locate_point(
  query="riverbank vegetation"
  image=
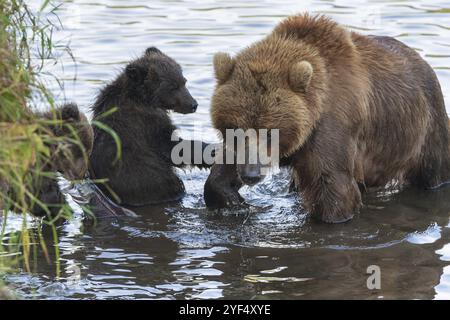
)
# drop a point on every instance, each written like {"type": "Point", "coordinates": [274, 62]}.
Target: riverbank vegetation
{"type": "Point", "coordinates": [26, 47]}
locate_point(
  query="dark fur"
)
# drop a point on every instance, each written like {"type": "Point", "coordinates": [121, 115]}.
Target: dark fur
{"type": "Point", "coordinates": [143, 93]}
{"type": "Point", "coordinates": [66, 157]}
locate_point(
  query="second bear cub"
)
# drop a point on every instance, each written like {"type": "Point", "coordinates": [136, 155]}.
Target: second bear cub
{"type": "Point", "coordinates": [143, 94]}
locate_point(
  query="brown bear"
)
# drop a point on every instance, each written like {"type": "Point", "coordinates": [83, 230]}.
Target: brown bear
{"type": "Point", "coordinates": [143, 94]}
{"type": "Point", "coordinates": [354, 112]}
{"type": "Point", "coordinates": [69, 156]}
{"type": "Point", "coordinates": [71, 159]}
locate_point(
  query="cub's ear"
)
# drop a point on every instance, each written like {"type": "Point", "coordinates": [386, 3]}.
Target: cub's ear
{"type": "Point", "coordinates": [69, 112]}
{"type": "Point", "coordinates": [152, 50]}
{"type": "Point", "coordinates": [300, 76]}
{"type": "Point", "coordinates": [135, 73]}
{"type": "Point", "coordinates": [223, 66]}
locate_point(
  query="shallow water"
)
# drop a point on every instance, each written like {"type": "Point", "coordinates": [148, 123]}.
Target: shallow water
{"type": "Point", "coordinates": [274, 250]}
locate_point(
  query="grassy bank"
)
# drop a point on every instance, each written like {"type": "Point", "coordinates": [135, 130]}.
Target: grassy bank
{"type": "Point", "coordinates": [25, 143]}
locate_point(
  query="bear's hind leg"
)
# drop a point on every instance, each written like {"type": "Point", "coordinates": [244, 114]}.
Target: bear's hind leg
{"type": "Point", "coordinates": [433, 173]}
{"type": "Point", "coordinates": [433, 170]}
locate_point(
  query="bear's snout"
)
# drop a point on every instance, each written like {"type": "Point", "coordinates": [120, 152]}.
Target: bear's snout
{"type": "Point", "coordinates": [187, 108]}
{"type": "Point", "coordinates": [194, 106]}
{"type": "Point", "coordinates": [250, 173]}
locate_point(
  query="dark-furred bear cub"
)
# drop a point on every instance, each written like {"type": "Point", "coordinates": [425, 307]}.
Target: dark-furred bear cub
{"type": "Point", "coordinates": [69, 156]}
{"type": "Point", "coordinates": [143, 94]}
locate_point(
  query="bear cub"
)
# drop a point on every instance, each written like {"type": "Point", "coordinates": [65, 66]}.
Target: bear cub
{"type": "Point", "coordinates": [69, 156]}
{"type": "Point", "coordinates": [143, 94]}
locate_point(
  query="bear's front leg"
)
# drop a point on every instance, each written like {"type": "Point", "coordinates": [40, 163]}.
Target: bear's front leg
{"type": "Point", "coordinates": [326, 171]}
{"type": "Point", "coordinates": [222, 186]}
{"type": "Point", "coordinates": [332, 198]}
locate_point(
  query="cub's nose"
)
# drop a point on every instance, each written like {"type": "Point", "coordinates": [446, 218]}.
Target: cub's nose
{"type": "Point", "coordinates": [194, 106]}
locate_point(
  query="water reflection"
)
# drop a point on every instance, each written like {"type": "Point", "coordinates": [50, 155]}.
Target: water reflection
{"type": "Point", "coordinates": [273, 250]}
{"type": "Point", "coordinates": [187, 252]}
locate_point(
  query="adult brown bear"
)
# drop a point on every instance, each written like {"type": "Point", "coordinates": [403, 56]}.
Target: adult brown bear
{"type": "Point", "coordinates": [354, 112]}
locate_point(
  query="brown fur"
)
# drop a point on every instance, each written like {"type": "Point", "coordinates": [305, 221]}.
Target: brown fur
{"type": "Point", "coordinates": [71, 159]}
{"type": "Point", "coordinates": [354, 111]}
{"type": "Point", "coordinates": [69, 156]}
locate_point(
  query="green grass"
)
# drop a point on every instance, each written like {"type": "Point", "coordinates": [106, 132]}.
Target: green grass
{"type": "Point", "coordinates": [25, 142]}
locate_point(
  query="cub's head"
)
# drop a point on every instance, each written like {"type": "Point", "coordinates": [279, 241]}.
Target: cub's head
{"type": "Point", "coordinates": [158, 80]}
{"type": "Point", "coordinates": [70, 156]}
{"type": "Point", "coordinates": [270, 85]}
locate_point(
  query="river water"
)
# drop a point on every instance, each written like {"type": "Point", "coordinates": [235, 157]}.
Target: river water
{"type": "Point", "coordinates": [186, 251]}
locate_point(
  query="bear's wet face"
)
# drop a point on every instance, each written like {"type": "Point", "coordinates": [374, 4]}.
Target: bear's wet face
{"type": "Point", "coordinates": [158, 81]}
{"type": "Point", "coordinates": [255, 158]}
{"type": "Point", "coordinates": [258, 96]}
{"type": "Point", "coordinates": [250, 173]}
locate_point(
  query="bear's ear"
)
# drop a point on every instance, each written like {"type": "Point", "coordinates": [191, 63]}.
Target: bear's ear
{"type": "Point", "coordinates": [70, 112]}
{"type": "Point", "coordinates": [300, 76]}
{"type": "Point", "coordinates": [135, 73]}
{"type": "Point", "coordinates": [223, 66]}
{"type": "Point", "coordinates": [152, 50]}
